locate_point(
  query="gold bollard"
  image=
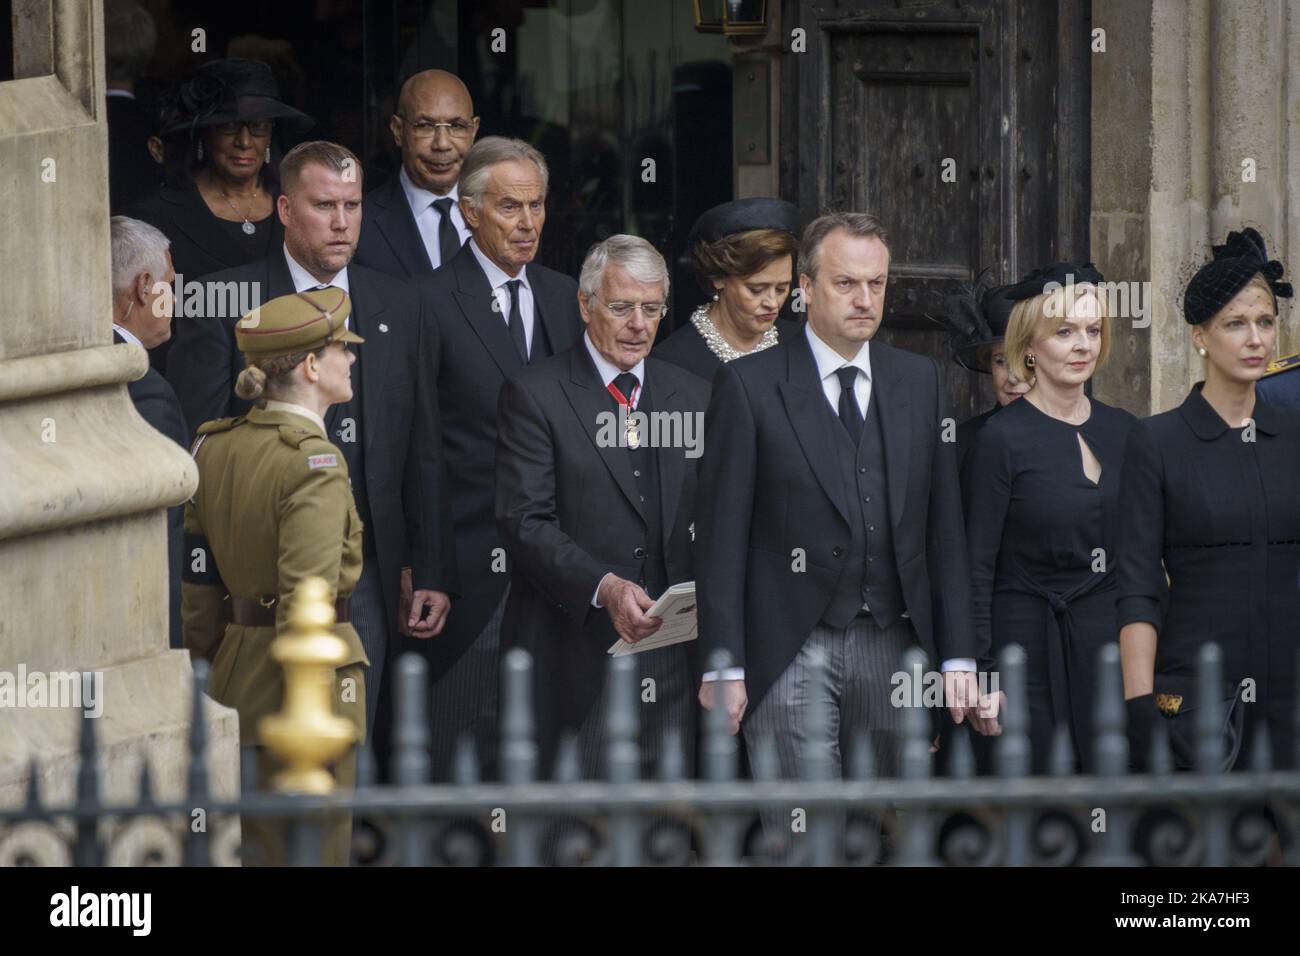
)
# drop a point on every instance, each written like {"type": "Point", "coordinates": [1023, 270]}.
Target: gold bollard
{"type": "Point", "coordinates": [306, 734]}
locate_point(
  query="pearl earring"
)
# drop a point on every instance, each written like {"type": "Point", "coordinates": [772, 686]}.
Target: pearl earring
{"type": "Point", "coordinates": [268, 154]}
{"type": "Point", "coordinates": [1202, 352]}
{"type": "Point", "coordinates": [715, 297]}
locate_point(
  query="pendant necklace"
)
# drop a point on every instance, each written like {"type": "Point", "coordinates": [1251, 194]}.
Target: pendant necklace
{"type": "Point", "coordinates": [248, 227]}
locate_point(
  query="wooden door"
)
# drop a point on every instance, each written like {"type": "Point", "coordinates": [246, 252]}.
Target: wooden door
{"type": "Point", "coordinates": [962, 124]}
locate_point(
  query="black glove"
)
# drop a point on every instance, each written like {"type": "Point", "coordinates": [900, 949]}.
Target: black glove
{"type": "Point", "coordinates": [1142, 717]}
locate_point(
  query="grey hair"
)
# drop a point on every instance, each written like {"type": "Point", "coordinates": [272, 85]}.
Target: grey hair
{"type": "Point", "coordinates": [488, 152]}
{"type": "Point", "coordinates": [137, 247]}
{"type": "Point", "coordinates": [861, 225]}
{"type": "Point", "coordinates": [637, 257]}
{"type": "Point", "coordinates": [130, 38]}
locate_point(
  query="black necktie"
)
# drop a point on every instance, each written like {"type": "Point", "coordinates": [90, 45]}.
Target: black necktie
{"type": "Point", "coordinates": [850, 414]}
{"type": "Point", "coordinates": [625, 382]}
{"type": "Point", "coordinates": [517, 321]}
{"type": "Point", "coordinates": [448, 237]}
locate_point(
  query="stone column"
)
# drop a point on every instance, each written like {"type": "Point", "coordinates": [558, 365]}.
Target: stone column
{"type": "Point", "coordinates": [84, 481]}
{"type": "Point", "coordinates": [1207, 91]}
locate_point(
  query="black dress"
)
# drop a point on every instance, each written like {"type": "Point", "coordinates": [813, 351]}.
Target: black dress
{"type": "Point", "coordinates": [687, 349]}
{"type": "Point", "coordinates": [201, 242]}
{"type": "Point", "coordinates": [967, 433]}
{"type": "Point", "coordinates": [1221, 516]}
{"type": "Point", "coordinates": [1041, 535]}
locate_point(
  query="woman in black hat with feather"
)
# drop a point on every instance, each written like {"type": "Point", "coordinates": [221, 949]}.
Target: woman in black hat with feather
{"type": "Point", "coordinates": [1211, 519]}
{"type": "Point", "coordinates": [1044, 486]}
{"type": "Point", "coordinates": [221, 143]}
{"type": "Point", "coordinates": [977, 323]}
{"type": "Point", "coordinates": [743, 252]}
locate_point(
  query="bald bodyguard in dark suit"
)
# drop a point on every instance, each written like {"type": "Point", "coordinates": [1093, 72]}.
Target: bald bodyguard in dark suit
{"type": "Point", "coordinates": [495, 312]}
{"type": "Point", "coordinates": [829, 521]}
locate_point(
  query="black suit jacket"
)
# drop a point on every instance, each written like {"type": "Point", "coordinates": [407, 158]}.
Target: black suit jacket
{"type": "Point", "coordinates": [473, 355]}
{"type": "Point", "coordinates": [133, 176]}
{"type": "Point", "coordinates": [569, 512]}
{"type": "Point", "coordinates": [405, 489]}
{"type": "Point", "coordinates": [156, 402]}
{"type": "Point", "coordinates": [390, 241]}
{"type": "Point", "coordinates": [770, 484]}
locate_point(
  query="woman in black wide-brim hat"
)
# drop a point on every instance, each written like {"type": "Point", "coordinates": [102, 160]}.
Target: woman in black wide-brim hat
{"type": "Point", "coordinates": [977, 324]}
{"type": "Point", "coordinates": [1211, 519]}
{"type": "Point", "coordinates": [743, 252]}
{"type": "Point", "coordinates": [221, 142]}
{"type": "Point", "coordinates": [1044, 496]}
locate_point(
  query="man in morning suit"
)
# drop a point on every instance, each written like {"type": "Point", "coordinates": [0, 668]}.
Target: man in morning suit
{"type": "Point", "coordinates": [829, 522]}
{"type": "Point", "coordinates": [597, 528]}
{"type": "Point", "coordinates": [142, 315]}
{"type": "Point", "coordinates": [495, 311]}
{"type": "Point", "coordinates": [413, 223]}
{"type": "Point", "coordinates": [388, 431]}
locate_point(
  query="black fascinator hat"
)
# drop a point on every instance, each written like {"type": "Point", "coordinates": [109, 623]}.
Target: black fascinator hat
{"type": "Point", "coordinates": [976, 318]}
{"type": "Point", "coordinates": [1233, 266]}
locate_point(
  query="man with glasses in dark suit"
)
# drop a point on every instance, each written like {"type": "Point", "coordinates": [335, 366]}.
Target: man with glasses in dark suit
{"type": "Point", "coordinates": [413, 223]}
{"type": "Point", "coordinates": [495, 312]}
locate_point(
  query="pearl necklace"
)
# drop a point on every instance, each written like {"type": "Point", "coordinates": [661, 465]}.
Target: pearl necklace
{"type": "Point", "coordinates": [720, 346]}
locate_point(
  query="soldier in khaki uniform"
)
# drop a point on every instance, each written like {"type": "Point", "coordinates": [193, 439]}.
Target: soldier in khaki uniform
{"type": "Point", "coordinates": [273, 507]}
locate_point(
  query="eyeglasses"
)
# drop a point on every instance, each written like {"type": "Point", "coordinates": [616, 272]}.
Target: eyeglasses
{"type": "Point", "coordinates": [423, 129]}
{"type": "Point", "coordinates": [622, 310]}
{"type": "Point", "coordinates": [255, 128]}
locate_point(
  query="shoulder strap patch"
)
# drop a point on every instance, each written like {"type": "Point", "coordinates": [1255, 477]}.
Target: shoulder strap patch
{"type": "Point", "coordinates": [219, 425]}
{"type": "Point", "coordinates": [1283, 364]}
{"type": "Point", "coordinates": [326, 460]}
{"type": "Point", "coordinates": [295, 435]}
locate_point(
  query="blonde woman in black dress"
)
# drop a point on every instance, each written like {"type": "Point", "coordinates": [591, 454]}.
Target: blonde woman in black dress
{"type": "Point", "coordinates": [1043, 496]}
{"type": "Point", "coordinates": [1211, 518]}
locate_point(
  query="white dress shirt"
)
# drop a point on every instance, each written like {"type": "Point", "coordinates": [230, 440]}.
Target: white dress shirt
{"type": "Point", "coordinates": [274, 406]}
{"type": "Point", "coordinates": [608, 371]}
{"type": "Point", "coordinates": [828, 363]}
{"type": "Point", "coordinates": [428, 219]}
{"type": "Point", "coordinates": [304, 281]}
{"type": "Point", "coordinates": [127, 334]}
{"type": "Point", "coordinates": [497, 278]}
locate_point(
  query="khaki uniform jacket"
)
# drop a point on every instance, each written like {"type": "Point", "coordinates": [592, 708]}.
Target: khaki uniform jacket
{"type": "Point", "coordinates": [274, 506]}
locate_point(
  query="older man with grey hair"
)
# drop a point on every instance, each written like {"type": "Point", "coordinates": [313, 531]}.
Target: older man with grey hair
{"type": "Point", "coordinates": [597, 519]}
{"type": "Point", "coordinates": [142, 316]}
{"type": "Point", "coordinates": [495, 312]}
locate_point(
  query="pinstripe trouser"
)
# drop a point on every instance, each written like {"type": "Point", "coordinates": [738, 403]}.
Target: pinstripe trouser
{"type": "Point", "coordinates": [666, 720]}
{"type": "Point", "coordinates": [854, 689]}
{"type": "Point", "coordinates": [464, 701]}
{"type": "Point", "coordinates": [369, 619]}
{"type": "Point", "coordinates": [672, 713]}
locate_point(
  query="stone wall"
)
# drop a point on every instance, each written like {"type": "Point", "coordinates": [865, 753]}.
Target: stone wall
{"type": "Point", "coordinates": [84, 481]}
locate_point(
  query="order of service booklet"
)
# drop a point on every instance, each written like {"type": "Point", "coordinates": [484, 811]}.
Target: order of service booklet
{"type": "Point", "coordinates": [677, 608]}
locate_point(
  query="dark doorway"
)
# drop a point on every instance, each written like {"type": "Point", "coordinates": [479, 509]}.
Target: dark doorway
{"type": "Point", "coordinates": [963, 124]}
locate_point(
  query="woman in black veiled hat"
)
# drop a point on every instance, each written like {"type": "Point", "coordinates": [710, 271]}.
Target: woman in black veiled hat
{"type": "Point", "coordinates": [220, 143]}
{"type": "Point", "coordinates": [1211, 518]}
{"type": "Point", "coordinates": [743, 253]}
{"type": "Point", "coordinates": [1043, 497]}
{"type": "Point", "coordinates": [977, 323]}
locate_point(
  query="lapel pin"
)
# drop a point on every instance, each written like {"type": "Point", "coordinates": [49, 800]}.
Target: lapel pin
{"type": "Point", "coordinates": [383, 327]}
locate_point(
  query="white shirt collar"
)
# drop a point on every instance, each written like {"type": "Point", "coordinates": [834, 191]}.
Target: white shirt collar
{"type": "Point", "coordinates": [421, 199]}
{"type": "Point", "coordinates": [607, 370]}
{"type": "Point", "coordinates": [125, 94]}
{"type": "Point", "coordinates": [273, 406]}
{"type": "Point", "coordinates": [828, 360]}
{"type": "Point", "coordinates": [304, 281]}
{"type": "Point", "coordinates": [496, 276]}
{"type": "Point", "coordinates": [128, 335]}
